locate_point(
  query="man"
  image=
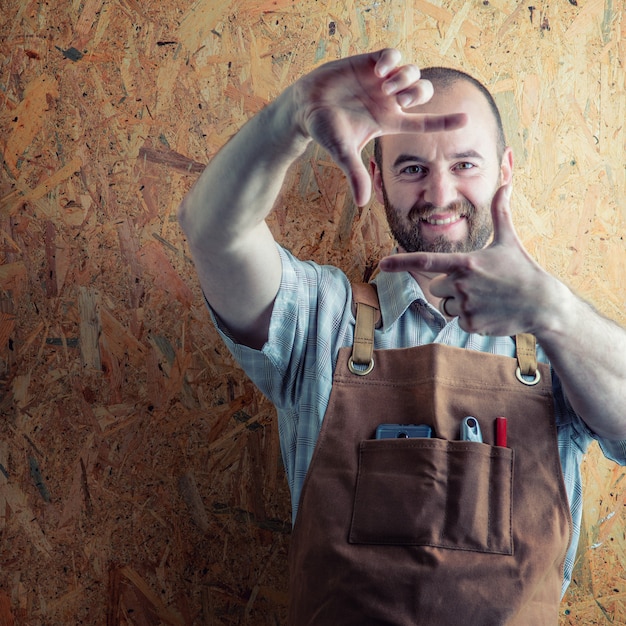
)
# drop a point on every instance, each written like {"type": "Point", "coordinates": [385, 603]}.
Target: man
{"type": "Point", "coordinates": [431, 530]}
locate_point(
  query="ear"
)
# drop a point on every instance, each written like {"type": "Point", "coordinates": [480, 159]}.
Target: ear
{"type": "Point", "coordinates": [506, 167]}
{"type": "Point", "coordinates": [377, 180]}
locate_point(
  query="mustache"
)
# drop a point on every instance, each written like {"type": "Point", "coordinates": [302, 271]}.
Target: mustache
{"type": "Point", "coordinates": [424, 210]}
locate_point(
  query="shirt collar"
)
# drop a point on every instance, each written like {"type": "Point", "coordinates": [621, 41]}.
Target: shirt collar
{"type": "Point", "coordinates": [396, 292]}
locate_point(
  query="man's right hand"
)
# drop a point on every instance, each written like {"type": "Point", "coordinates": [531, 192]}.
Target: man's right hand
{"type": "Point", "coordinates": [344, 104]}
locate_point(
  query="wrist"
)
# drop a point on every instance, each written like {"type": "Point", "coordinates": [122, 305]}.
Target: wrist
{"type": "Point", "coordinates": [284, 122]}
{"type": "Point", "coordinates": [556, 311]}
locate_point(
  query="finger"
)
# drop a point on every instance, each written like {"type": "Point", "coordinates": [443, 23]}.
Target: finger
{"type": "Point", "coordinates": [503, 228]}
{"type": "Point", "coordinates": [442, 305]}
{"type": "Point", "coordinates": [406, 77]}
{"type": "Point", "coordinates": [410, 89]}
{"type": "Point", "coordinates": [422, 261]}
{"type": "Point", "coordinates": [442, 286]}
{"type": "Point", "coordinates": [416, 94]}
{"type": "Point", "coordinates": [448, 306]}
{"type": "Point", "coordinates": [361, 185]}
{"type": "Point", "coordinates": [358, 177]}
{"type": "Point", "coordinates": [420, 123]}
{"type": "Point", "coordinates": [386, 60]}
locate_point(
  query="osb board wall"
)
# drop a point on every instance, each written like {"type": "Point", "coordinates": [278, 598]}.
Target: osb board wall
{"type": "Point", "coordinates": [140, 477]}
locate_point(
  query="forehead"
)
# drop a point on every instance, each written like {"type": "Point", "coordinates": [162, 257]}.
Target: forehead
{"type": "Point", "coordinates": [479, 133]}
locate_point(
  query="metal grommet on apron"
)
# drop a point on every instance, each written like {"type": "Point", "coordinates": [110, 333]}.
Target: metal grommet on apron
{"type": "Point", "coordinates": [527, 371]}
{"type": "Point", "coordinates": [425, 531]}
{"type": "Point", "coordinates": [361, 361]}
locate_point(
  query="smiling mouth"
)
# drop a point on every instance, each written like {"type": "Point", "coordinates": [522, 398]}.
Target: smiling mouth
{"type": "Point", "coordinates": [435, 221]}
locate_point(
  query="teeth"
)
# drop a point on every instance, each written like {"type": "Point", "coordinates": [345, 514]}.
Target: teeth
{"type": "Point", "coordinates": [448, 220]}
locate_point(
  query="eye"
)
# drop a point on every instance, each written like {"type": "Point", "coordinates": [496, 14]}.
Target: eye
{"type": "Point", "coordinates": [464, 166]}
{"type": "Point", "coordinates": [412, 169]}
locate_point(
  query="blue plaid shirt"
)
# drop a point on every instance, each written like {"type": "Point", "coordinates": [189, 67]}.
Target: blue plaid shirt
{"type": "Point", "coordinates": [312, 319]}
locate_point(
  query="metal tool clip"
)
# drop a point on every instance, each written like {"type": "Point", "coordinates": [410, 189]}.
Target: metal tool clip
{"type": "Point", "coordinates": [470, 430]}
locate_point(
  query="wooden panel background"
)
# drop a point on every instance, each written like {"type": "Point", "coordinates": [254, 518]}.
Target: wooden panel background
{"type": "Point", "coordinates": [140, 476]}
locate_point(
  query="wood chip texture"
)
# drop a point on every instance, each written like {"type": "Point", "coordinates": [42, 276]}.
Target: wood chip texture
{"type": "Point", "coordinates": [140, 471]}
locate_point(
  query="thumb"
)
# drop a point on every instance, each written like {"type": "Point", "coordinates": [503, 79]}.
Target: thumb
{"type": "Point", "coordinates": [358, 177]}
{"type": "Point", "coordinates": [503, 229]}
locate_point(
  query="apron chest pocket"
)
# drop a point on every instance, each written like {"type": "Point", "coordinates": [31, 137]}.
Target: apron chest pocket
{"type": "Point", "coordinates": [433, 492]}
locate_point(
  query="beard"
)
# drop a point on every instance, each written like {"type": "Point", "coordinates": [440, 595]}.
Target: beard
{"type": "Point", "coordinates": [407, 232]}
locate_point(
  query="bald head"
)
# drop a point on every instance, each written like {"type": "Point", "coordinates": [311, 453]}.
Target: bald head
{"type": "Point", "coordinates": [443, 80]}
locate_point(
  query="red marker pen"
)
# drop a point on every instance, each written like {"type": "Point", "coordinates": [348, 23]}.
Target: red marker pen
{"type": "Point", "coordinates": [501, 431]}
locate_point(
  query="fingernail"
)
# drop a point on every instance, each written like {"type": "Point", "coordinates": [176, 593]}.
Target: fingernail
{"type": "Point", "coordinates": [389, 88]}
{"type": "Point", "coordinates": [404, 100]}
{"type": "Point", "coordinates": [382, 70]}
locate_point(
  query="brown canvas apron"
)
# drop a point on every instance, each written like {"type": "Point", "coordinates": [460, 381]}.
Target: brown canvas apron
{"type": "Point", "coordinates": [431, 531]}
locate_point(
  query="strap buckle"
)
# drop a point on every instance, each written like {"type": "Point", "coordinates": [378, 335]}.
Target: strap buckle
{"type": "Point", "coordinates": [367, 316]}
{"type": "Point", "coordinates": [527, 371]}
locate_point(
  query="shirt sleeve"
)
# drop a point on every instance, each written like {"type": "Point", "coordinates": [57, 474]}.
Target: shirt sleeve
{"type": "Point", "coordinates": [581, 435]}
{"type": "Point", "coordinates": [310, 321]}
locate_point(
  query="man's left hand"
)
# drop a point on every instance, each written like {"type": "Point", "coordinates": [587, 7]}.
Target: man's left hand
{"type": "Point", "coordinates": [499, 290]}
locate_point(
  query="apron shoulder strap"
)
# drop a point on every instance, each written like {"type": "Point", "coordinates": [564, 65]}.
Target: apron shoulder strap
{"type": "Point", "coordinates": [365, 293]}
{"type": "Point", "coordinates": [526, 351]}
{"type": "Point", "coordinates": [366, 309]}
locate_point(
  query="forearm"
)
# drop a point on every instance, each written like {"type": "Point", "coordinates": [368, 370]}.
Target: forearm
{"type": "Point", "coordinates": [240, 185]}
{"type": "Point", "coordinates": [588, 352]}
{"type": "Point", "coordinates": [223, 217]}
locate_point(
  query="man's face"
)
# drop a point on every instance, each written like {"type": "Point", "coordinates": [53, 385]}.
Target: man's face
{"type": "Point", "coordinates": [437, 187]}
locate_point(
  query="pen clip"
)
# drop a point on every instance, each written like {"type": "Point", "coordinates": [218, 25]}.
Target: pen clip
{"type": "Point", "coordinates": [470, 430]}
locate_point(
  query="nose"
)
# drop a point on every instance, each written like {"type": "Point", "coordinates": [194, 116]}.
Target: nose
{"type": "Point", "coordinates": [439, 189]}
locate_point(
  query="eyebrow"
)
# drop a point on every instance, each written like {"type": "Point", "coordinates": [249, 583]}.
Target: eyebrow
{"type": "Point", "coordinates": [468, 154]}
